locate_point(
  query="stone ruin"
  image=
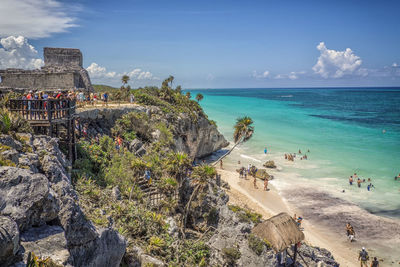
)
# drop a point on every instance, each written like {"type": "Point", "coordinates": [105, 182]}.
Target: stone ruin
{"type": "Point", "coordinates": [62, 70]}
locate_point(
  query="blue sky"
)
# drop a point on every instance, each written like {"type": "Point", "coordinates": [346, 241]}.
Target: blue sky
{"type": "Point", "coordinates": [209, 44]}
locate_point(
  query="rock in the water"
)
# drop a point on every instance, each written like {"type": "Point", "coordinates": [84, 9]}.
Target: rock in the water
{"type": "Point", "coordinates": [27, 197]}
{"type": "Point", "coordinates": [9, 241]}
{"type": "Point", "coordinates": [269, 164]}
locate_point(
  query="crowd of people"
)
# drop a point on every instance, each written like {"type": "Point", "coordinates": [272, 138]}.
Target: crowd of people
{"type": "Point", "coordinates": [359, 181]}
{"type": "Point", "coordinates": [292, 156]}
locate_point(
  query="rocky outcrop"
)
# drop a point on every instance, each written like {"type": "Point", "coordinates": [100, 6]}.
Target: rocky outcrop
{"type": "Point", "coordinates": [9, 241]}
{"type": "Point", "coordinates": [233, 233]}
{"type": "Point", "coordinates": [43, 206]}
{"type": "Point", "coordinates": [269, 164]}
{"type": "Point", "coordinates": [197, 138]}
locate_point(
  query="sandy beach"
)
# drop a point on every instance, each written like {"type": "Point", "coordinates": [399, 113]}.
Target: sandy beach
{"type": "Point", "coordinates": [320, 229]}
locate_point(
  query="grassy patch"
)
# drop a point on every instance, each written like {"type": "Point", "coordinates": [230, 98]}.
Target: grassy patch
{"type": "Point", "coordinates": [246, 215]}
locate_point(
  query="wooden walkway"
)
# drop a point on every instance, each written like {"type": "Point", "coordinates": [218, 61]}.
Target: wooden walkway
{"type": "Point", "coordinates": [53, 117]}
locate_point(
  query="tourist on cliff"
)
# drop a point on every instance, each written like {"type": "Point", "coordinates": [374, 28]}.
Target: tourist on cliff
{"type": "Point", "coordinates": [363, 257]}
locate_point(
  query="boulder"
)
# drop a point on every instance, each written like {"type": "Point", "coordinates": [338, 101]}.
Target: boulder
{"type": "Point", "coordinates": [46, 241]}
{"type": "Point", "coordinates": [269, 164]}
{"type": "Point", "coordinates": [7, 140]}
{"type": "Point", "coordinates": [262, 174]}
{"type": "Point", "coordinates": [11, 155]}
{"type": "Point", "coordinates": [27, 197]}
{"type": "Point", "coordinates": [9, 241]}
{"type": "Point", "coordinates": [116, 193]}
{"type": "Point", "coordinates": [105, 251]}
{"type": "Point", "coordinates": [142, 259]}
{"type": "Point", "coordinates": [135, 145]}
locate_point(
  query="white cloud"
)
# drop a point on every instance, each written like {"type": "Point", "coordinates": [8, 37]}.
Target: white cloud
{"type": "Point", "coordinates": [35, 18]}
{"type": "Point", "coordinates": [18, 53]}
{"type": "Point", "coordinates": [292, 75]}
{"type": "Point", "coordinates": [395, 65]}
{"type": "Point", "coordinates": [336, 64]}
{"type": "Point", "coordinates": [263, 75]}
{"type": "Point", "coordinates": [96, 71]}
{"type": "Point", "coordinates": [210, 77]}
{"type": "Point", "coordinates": [100, 74]}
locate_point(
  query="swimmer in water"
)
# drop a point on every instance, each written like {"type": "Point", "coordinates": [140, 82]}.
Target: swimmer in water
{"type": "Point", "coordinates": [351, 180]}
{"type": "Point", "coordinates": [299, 151]}
{"type": "Point", "coordinates": [265, 150]}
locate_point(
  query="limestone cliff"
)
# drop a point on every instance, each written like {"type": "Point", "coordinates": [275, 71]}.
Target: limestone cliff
{"type": "Point", "coordinates": [197, 138]}
{"type": "Point", "coordinates": [39, 211]}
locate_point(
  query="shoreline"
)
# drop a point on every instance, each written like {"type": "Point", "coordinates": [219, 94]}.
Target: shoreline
{"type": "Point", "coordinates": [272, 203]}
{"type": "Point", "coordinates": [319, 229]}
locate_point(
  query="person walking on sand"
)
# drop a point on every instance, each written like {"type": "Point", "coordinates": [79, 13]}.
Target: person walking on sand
{"type": "Point", "coordinates": [255, 182]}
{"type": "Point", "coordinates": [375, 262]}
{"type": "Point", "coordinates": [221, 165]}
{"type": "Point", "coordinates": [266, 184]}
{"type": "Point", "coordinates": [350, 232]}
{"type": "Point", "coordinates": [363, 257]}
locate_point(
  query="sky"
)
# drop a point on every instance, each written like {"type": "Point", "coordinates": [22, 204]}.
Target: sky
{"type": "Point", "coordinates": [212, 43]}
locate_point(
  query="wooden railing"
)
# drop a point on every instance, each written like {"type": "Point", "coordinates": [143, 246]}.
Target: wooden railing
{"type": "Point", "coordinates": [43, 110]}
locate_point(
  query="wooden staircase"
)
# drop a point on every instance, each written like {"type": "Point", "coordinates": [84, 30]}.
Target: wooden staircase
{"type": "Point", "coordinates": [150, 191]}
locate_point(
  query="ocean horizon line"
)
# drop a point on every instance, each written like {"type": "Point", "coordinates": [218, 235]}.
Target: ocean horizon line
{"type": "Point", "coordinates": [290, 88]}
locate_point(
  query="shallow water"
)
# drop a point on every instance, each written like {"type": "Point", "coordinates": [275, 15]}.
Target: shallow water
{"type": "Point", "coordinates": [346, 130]}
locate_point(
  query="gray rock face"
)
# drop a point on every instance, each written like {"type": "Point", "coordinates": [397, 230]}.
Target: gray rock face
{"type": "Point", "coordinates": [142, 259]}
{"type": "Point", "coordinates": [198, 139]}
{"type": "Point", "coordinates": [26, 197]}
{"type": "Point", "coordinates": [9, 241]}
{"type": "Point", "coordinates": [105, 251]}
{"type": "Point", "coordinates": [195, 138]}
{"type": "Point", "coordinates": [45, 208]}
{"type": "Point", "coordinates": [49, 240]}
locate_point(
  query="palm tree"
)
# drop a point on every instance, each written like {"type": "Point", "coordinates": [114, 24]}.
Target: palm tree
{"type": "Point", "coordinates": [199, 97]}
{"type": "Point", "coordinates": [200, 177]}
{"type": "Point", "coordinates": [243, 132]}
{"type": "Point", "coordinates": [188, 95]}
{"type": "Point", "coordinates": [171, 79]}
{"type": "Point", "coordinates": [125, 79]}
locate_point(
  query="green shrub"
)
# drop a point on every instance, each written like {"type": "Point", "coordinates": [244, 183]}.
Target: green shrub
{"type": "Point", "coordinates": [13, 122]}
{"type": "Point", "coordinates": [212, 216]}
{"type": "Point", "coordinates": [245, 215]}
{"type": "Point", "coordinates": [231, 254]}
{"type": "Point", "coordinates": [256, 244]}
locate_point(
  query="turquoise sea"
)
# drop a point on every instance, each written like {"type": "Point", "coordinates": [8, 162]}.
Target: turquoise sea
{"type": "Point", "coordinates": [347, 130]}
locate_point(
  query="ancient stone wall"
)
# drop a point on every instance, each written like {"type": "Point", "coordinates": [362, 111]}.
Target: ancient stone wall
{"type": "Point", "coordinates": [62, 56]}
{"type": "Point", "coordinates": [40, 80]}
{"type": "Point", "coordinates": [63, 70]}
